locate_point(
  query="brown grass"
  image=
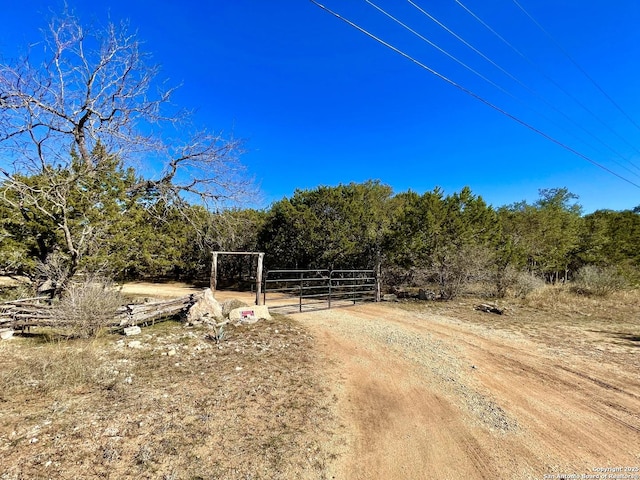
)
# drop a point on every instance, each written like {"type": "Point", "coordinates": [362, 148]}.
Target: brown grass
{"type": "Point", "coordinates": [606, 329]}
{"type": "Point", "coordinates": [255, 406]}
{"type": "Point", "coordinates": [180, 407]}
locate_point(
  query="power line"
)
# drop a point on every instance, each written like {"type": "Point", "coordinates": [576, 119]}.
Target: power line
{"type": "Point", "coordinates": [471, 93]}
{"type": "Point", "coordinates": [537, 67]}
{"type": "Point", "coordinates": [440, 49]}
{"type": "Point", "coordinates": [517, 80]}
{"type": "Point", "coordinates": [577, 65]}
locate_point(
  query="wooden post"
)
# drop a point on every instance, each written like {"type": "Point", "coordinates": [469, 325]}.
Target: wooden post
{"type": "Point", "coordinates": [214, 273]}
{"type": "Point", "coordinates": [378, 276]}
{"type": "Point", "coordinates": [259, 300]}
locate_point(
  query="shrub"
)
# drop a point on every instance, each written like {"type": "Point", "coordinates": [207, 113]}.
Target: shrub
{"type": "Point", "coordinates": [598, 281]}
{"type": "Point", "coordinates": [232, 304]}
{"type": "Point", "coordinates": [525, 283]}
{"type": "Point", "coordinates": [16, 292]}
{"type": "Point", "coordinates": [455, 269]}
{"type": "Point", "coordinates": [502, 280]}
{"type": "Point", "coordinates": [87, 308]}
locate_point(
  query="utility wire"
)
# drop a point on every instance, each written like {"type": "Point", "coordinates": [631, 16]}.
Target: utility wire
{"type": "Point", "coordinates": [533, 64]}
{"type": "Point", "coordinates": [577, 65]}
{"type": "Point", "coordinates": [440, 49]}
{"type": "Point", "coordinates": [519, 82]}
{"type": "Point", "coordinates": [471, 93]}
{"type": "Point", "coordinates": [503, 90]}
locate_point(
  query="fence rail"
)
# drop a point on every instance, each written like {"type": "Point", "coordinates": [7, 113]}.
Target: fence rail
{"type": "Point", "coordinates": [302, 290]}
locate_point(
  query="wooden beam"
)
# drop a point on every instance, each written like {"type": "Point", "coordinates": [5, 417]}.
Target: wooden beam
{"type": "Point", "coordinates": [213, 279]}
{"type": "Point", "coordinates": [214, 272]}
{"type": "Point", "coordinates": [259, 299]}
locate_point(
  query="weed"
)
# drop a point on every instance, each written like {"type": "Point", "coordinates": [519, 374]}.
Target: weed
{"type": "Point", "coordinates": [598, 281]}
{"type": "Point", "coordinates": [87, 308]}
{"type": "Point", "coordinates": [218, 332]}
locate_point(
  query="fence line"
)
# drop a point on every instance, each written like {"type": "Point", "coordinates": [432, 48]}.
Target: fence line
{"type": "Point", "coordinates": [318, 289]}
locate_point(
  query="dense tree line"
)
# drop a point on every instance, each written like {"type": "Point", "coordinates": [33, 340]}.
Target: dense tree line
{"type": "Point", "coordinates": [82, 131]}
{"type": "Point", "coordinates": [447, 241]}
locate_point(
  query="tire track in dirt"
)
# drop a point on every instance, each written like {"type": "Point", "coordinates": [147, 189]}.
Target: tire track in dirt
{"type": "Point", "coordinates": [424, 395]}
{"type": "Point", "coordinates": [401, 426]}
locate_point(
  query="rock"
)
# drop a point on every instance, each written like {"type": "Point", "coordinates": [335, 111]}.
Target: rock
{"type": "Point", "coordinates": [135, 330]}
{"type": "Point", "coordinates": [390, 297]}
{"type": "Point", "coordinates": [205, 309]}
{"type": "Point", "coordinates": [489, 308]}
{"type": "Point", "coordinates": [6, 333]}
{"type": "Point", "coordinates": [426, 295]}
{"type": "Point", "coordinates": [135, 344]}
{"type": "Point", "coordinates": [232, 304]}
{"type": "Point", "coordinates": [249, 314]}
{"type": "Point", "coordinates": [46, 287]}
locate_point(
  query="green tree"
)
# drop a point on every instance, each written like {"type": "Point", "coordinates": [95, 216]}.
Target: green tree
{"type": "Point", "coordinates": [63, 216]}
{"type": "Point", "coordinates": [93, 95]}
{"type": "Point", "coordinates": [446, 239]}
{"type": "Point", "coordinates": [546, 233]}
{"type": "Point", "coordinates": [329, 227]}
{"type": "Point", "coordinates": [610, 238]}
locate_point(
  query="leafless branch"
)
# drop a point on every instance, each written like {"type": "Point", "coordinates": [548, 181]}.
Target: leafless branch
{"type": "Point", "coordinates": [99, 87]}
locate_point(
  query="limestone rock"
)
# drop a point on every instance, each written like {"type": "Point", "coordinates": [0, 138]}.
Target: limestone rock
{"type": "Point", "coordinates": [232, 304]}
{"type": "Point", "coordinates": [249, 314]}
{"type": "Point", "coordinates": [205, 309]}
{"type": "Point", "coordinates": [135, 330]}
{"type": "Point", "coordinates": [6, 333]}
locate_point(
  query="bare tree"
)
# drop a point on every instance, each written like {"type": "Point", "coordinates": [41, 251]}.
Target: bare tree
{"type": "Point", "coordinates": [87, 97]}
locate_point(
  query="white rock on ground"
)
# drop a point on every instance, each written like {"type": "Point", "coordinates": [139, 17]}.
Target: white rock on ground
{"type": "Point", "coordinates": [6, 333]}
{"type": "Point", "coordinates": [135, 330]}
{"type": "Point", "coordinates": [249, 314]}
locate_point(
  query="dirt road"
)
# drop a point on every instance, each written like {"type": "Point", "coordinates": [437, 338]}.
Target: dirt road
{"type": "Point", "coordinates": [426, 396]}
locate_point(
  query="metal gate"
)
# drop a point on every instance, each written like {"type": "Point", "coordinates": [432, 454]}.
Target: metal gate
{"type": "Point", "coordinates": [304, 290]}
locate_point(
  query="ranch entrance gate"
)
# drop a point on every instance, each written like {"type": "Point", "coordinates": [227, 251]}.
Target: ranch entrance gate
{"type": "Point", "coordinates": [298, 290]}
{"type": "Point", "coordinates": [304, 290]}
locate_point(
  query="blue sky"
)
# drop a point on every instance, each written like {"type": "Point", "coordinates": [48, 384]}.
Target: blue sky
{"type": "Point", "coordinates": [319, 103]}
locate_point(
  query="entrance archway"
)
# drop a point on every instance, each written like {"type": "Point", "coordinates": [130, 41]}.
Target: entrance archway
{"type": "Point", "coordinates": [214, 272]}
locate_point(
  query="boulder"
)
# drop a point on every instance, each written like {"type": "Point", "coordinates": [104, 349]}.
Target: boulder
{"type": "Point", "coordinates": [6, 333]}
{"type": "Point", "coordinates": [232, 304]}
{"type": "Point", "coordinates": [205, 309]}
{"type": "Point", "coordinates": [390, 297]}
{"type": "Point", "coordinates": [249, 314]}
{"type": "Point", "coordinates": [135, 330]}
{"type": "Point", "coordinates": [426, 295]}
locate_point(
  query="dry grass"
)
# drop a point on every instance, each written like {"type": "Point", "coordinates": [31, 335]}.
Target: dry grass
{"type": "Point", "coordinates": [87, 308]}
{"type": "Point", "coordinates": [177, 407]}
{"type": "Point", "coordinates": [606, 329]}
{"type": "Point", "coordinates": [255, 406]}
